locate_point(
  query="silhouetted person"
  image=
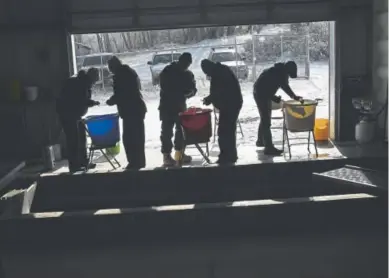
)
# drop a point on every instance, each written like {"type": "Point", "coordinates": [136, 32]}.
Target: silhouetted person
{"type": "Point", "coordinates": [72, 105]}
{"type": "Point", "coordinates": [177, 84]}
{"type": "Point", "coordinates": [225, 95]}
{"type": "Point", "coordinates": [132, 109]}
{"type": "Point", "coordinates": [265, 89]}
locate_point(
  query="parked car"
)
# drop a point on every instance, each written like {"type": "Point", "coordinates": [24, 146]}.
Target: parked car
{"type": "Point", "coordinates": [229, 57]}
{"type": "Point", "coordinates": [99, 61]}
{"type": "Point", "coordinates": [159, 61]}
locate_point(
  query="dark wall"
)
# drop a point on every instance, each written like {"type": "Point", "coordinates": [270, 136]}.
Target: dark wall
{"type": "Point", "coordinates": [354, 54]}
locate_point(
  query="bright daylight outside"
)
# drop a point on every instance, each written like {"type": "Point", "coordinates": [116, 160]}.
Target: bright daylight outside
{"type": "Point", "coordinates": [247, 50]}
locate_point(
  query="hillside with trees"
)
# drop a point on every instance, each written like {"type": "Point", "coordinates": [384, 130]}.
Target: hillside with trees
{"type": "Point", "coordinates": [317, 32]}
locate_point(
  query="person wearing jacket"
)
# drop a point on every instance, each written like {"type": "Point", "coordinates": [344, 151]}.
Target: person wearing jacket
{"type": "Point", "coordinates": [225, 95]}
{"type": "Point", "coordinates": [265, 89]}
{"type": "Point", "coordinates": [177, 84]}
{"type": "Point", "coordinates": [132, 109]}
{"type": "Point", "coordinates": [72, 105]}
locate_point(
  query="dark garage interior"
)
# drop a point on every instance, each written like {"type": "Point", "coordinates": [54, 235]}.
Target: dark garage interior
{"type": "Point", "coordinates": [319, 218]}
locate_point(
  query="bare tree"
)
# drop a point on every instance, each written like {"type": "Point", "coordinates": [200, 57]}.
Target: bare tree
{"type": "Point", "coordinates": [115, 43]}
{"type": "Point", "coordinates": [107, 43]}
{"type": "Point", "coordinates": [100, 43]}
{"type": "Point", "coordinates": [78, 38]}
{"type": "Point", "coordinates": [147, 39]}
{"type": "Point", "coordinates": [125, 41]}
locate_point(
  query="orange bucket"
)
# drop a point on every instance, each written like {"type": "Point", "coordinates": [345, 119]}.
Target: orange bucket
{"type": "Point", "coordinates": [321, 130]}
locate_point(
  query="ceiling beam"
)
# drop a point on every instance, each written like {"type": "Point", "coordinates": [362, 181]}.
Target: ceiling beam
{"type": "Point", "coordinates": [31, 26]}
{"type": "Point", "coordinates": [270, 6]}
{"type": "Point", "coordinates": [209, 7]}
{"type": "Point", "coordinates": [203, 10]}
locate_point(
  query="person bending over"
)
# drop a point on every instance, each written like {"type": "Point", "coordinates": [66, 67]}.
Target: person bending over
{"type": "Point", "coordinates": [265, 89]}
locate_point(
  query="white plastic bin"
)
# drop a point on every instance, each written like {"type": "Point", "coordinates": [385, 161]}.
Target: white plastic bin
{"type": "Point", "coordinates": [299, 117]}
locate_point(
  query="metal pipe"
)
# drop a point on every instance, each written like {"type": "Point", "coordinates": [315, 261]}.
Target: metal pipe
{"type": "Point", "coordinates": [307, 59]}
{"type": "Point", "coordinates": [254, 70]}
{"type": "Point", "coordinates": [236, 57]}
{"type": "Point", "coordinates": [282, 47]}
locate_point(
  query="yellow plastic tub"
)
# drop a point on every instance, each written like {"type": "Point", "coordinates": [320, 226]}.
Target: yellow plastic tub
{"type": "Point", "coordinates": [15, 91]}
{"type": "Point", "coordinates": [321, 129]}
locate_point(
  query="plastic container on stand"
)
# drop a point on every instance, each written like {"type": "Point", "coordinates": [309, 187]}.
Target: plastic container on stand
{"type": "Point", "coordinates": [104, 129]}
{"type": "Point", "coordinates": [300, 117]}
{"type": "Point", "coordinates": [365, 131]}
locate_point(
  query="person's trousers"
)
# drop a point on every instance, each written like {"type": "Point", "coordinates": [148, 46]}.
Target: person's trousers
{"type": "Point", "coordinates": [75, 135]}
{"type": "Point", "coordinates": [227, 134]}
{"type": "Point", "coordinates": [134, 141]}
{"type": "Point", "coordinates": [170, 122]}
{"type": "Point", "coordinates": [264, 128]}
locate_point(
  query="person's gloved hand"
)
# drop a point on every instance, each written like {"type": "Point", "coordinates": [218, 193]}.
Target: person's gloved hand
{"type": "Point", "coordinates": [207, 101]}
{"type": "Point", "coordinates": [277, 99]}
{"type": "Point", "coordinates": [93, 103]}
{"type": "Point", "coordinates": [298, 98]}
{"type": "Point", "coordinates": [109, 102]}
{"type": "Point", "coordinates": [191, 93]}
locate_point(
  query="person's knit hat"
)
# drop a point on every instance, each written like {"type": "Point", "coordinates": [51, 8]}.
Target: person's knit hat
{"type": "Point", "coordinates": [207, 66]}
{"type": "Point", "coordinates": [291, 68]}
{"type": "Point", "coordinates": [185, 57]}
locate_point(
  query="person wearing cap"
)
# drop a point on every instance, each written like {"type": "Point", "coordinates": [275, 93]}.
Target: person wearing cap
{"type": "Point", "coordinates": [72, 105]}
{"type": "Point", "coordinates": [177, 85]}
{"type": "Point", "coordinates": [265, 89]}
{"type": "Point", "coordinates": [225, 95]}
{"type": "Point", "coordinates": [132, 109]}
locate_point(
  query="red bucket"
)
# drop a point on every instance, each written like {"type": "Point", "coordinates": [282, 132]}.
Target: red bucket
{"type": "Point", "coordinates": [197, 125]}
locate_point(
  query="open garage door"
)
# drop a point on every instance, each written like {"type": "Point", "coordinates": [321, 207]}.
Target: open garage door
{"type": "Point", "coordinates": [88, 16]}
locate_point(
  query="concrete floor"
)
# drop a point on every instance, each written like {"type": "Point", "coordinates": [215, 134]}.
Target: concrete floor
{"type": "Point", "coordinates": [247, 155]}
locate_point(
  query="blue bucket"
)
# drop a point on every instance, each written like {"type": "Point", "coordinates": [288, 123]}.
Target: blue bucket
{"type": "Point", "coordinates": [104, 129]}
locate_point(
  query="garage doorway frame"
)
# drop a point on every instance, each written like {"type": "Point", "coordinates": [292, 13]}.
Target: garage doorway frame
{"type": "Point", "coordinates": [334, 83]}
{"type": "Point", "coordinates": [333, 76]}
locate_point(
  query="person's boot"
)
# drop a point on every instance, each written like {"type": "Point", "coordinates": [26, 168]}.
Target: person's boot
{"type": "Point", "coordinates": [259, 143]}
{"type": "Point", "coordinates": [74, 169]}
{"type": "Point", "coordinates": [168, 160]}
{"type": "Point", "coordinates": [224, 161]}
{"type": "Point", "coordinates": [85, 164]}
{"type": "Point", "coordinates": [186, 159]}
{"type": "Point", "coordinates": [89, 166]}
{"type": "Point", "coordinates": [132, 167]}
{"type": "Point", "coordinates": [227, 159]}
{"type": "Point", "coordinates": [273, 151]}
{"type": "Point", "coordinates": [183, 157]}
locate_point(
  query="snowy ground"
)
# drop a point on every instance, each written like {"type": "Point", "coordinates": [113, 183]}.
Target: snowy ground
{"type": "Point", "coordinates": [315, 87]}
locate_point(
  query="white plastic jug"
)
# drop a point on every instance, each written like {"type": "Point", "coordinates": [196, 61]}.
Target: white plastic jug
{"type": "Point", "coordinates": [31, 93]}
{"type": "Point", "coordinates": [365, 131]}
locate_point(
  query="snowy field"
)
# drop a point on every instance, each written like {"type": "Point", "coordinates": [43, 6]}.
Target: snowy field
{"type": "Point", "coordinates": [315, 87]}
